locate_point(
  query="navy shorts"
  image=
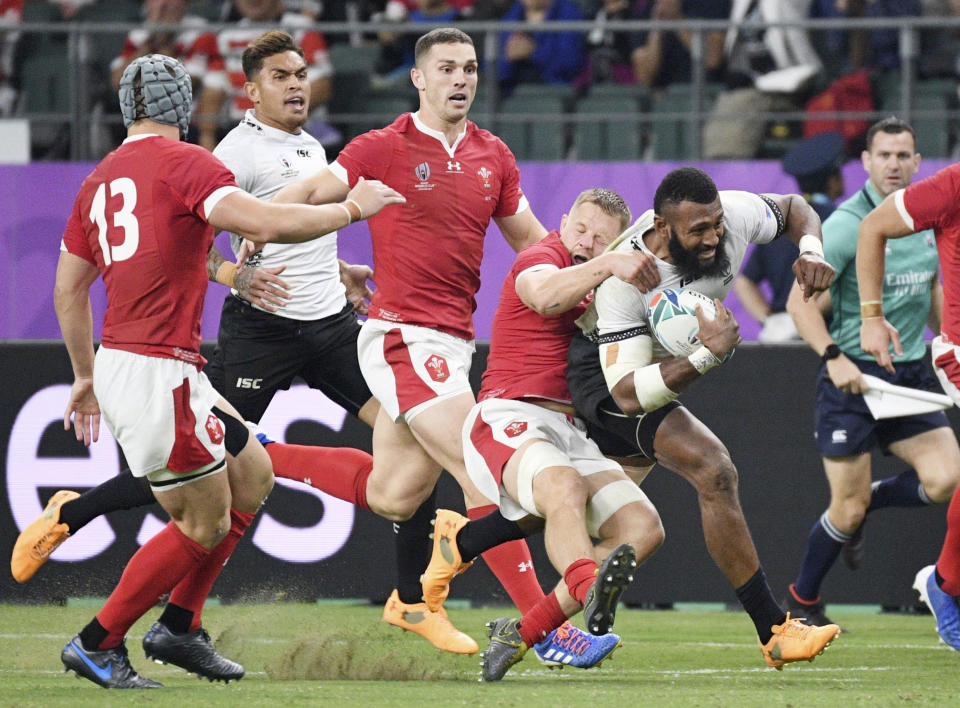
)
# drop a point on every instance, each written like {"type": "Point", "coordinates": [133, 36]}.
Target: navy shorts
{"type": "Point", "coordinates": [259, 353]}
{"type": "Point", "coordinates": [616, 434]}
{"type": "Point", "coordinates": [843, 425]}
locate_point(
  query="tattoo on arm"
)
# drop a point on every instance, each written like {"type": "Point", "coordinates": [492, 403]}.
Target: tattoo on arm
{"type": "Point", "coordinates": [214, 261]}
{"type": "Point", "coordinates": [241, 283]}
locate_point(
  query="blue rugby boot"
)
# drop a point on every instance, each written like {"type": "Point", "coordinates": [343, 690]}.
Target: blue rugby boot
{"type": "Point", "coordinates": [942, 605]}
{"type": "Point", "coordinates": [109, 668]}
{"type": "Point", "coordinates": [570, 646]}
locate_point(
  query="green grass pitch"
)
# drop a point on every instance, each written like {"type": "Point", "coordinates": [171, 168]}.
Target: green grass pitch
{"type": "Point", "coordinates": [341, 654]}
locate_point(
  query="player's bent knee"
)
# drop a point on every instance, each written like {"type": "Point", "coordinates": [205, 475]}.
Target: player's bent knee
{"type": "Point", "coordinates": [941, 489]}
{"type": "Point", "coordinates": [624, 503]}
{"type": "Point", "coordinates": [564, 484]}
{"type": "Point", "coordinates": [207, 526]}
{"type": "Point", "coordinates": [849, 513]}
{"type": "Point", "coordinates": [717, 476]}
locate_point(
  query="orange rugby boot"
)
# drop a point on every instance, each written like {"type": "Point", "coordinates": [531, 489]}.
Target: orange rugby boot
{"type": "Point", "coordinates": [41, 538]}
{"type": "Point", "coordinates": [432, 626]}
{"type": "Point", "coordinates": [795, 641]}
{"type": "Point", "coordinates": [445, 561]}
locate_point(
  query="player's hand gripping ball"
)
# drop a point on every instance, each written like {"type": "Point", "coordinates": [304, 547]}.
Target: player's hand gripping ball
{"type": "Point", "coordinates": [674, 321]}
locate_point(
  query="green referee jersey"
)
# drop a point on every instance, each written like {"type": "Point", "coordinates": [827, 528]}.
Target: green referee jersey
{"type": "Point", "coordinates": [911, 266]}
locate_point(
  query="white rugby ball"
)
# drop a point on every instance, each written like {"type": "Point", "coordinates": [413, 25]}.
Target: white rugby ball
{"type": "Point", "coordinates": [674, 321]}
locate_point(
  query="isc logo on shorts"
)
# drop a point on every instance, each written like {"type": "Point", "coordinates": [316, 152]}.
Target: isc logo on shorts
{"type": "Point", "coordinates": [248, 383]}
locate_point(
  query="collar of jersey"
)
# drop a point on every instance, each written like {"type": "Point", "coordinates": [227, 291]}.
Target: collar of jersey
{"type": "Point", "coordinates": [269, 130]}
{"type": "Point", "coordinates": [421, 126]}
{"type": "Point", "coordinates": [139, 136]}
{"type": "Point", "coordinates": [872, 191]}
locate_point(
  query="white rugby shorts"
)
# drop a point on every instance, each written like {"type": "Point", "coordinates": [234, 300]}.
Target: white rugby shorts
{"type": "Point", "coordinates": [160, 411]}
{"type": "Point", "coordinates": [496, 427]}
{"type": "Point", "coordinates": [946, 365]}
{"type": "Point", "coordinates": [410, 368]}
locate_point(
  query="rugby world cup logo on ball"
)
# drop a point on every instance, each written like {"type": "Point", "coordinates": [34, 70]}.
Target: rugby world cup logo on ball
{"type": "Point", "coordinates": [673, 319]}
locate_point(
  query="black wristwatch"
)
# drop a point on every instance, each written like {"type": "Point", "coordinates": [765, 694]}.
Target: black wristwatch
{"type": "Point", "coordinates": [831, 352]}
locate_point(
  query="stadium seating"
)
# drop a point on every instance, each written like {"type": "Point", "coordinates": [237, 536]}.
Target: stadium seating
{"type": "Point", "coordinates": [615, 134]}
{"type": "Point", "coordinates": [532, 137]}
{"type": "Point", "coordinates": [671, 135]}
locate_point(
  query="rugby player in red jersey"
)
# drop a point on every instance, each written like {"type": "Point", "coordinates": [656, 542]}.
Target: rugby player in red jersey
{"type": "Point", "coordinates": [928, 204]}
{"type": "Point", "coordinates": [144, 220]}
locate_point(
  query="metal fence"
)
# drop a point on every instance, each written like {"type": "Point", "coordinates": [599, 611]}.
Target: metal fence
{"type": "Point", "coordinates": [81, 102]}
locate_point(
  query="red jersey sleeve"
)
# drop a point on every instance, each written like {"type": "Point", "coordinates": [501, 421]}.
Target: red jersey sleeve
{"type": "Point", "coordinates": [510, 192]}
{"type": "Point", "coordinates": [74, 240]}
{"type": "Point", "coordinates": [198, 175]}
{"type": "Point", "coordinates": [539, 254]}
{"type": "Point", "coordinates": [924, 200]}
{"type": "Point", "coordinates": [366, 156]}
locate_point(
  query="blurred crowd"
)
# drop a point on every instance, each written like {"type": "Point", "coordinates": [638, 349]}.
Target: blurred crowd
{"type": "Point", "coordinates": [772, 69]}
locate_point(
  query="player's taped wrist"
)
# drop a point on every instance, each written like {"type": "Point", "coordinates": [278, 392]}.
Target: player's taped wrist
{"type": "Point", "coordinates": [871, 309]}
{"type": "Point", "coordinates": [347, 212]}
{"type": "Point", "coordinates": [226, 274]}
{"type": "Point", "coordinates": [652, 392]}
{"type": "Point", "coordinates": [356, 213]}
{"type": "Point", "coordinates": [703, 360]}
{"type": "Point", "coordinates": [810, 244]}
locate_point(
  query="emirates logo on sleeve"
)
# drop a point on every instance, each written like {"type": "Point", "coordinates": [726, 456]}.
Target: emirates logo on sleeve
{"type": "Point", "coordinates": [437, 368]}
{"type": "Point", "coordinates": [214, 429]}
{"type": "Point", "coordinates": [517, 427]}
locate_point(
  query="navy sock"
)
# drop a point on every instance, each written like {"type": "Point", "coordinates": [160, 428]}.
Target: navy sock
{"type": "Point", "coordinates": [413, 546]}
{"type": "Point", "coordinates": [121, 492]}
{"type": "Point", "coordinates": [903, 490]}
{"type": "Point", "coordinates": [823, 547]}
{"type": "Point", "coordinates": [177, 619]}
{"type": "Point", "coordinates": [92, 635]}
{"type": "Point", "coordinates": [757, 600]}
{"type": "Point", "coordinates": [486, 532]}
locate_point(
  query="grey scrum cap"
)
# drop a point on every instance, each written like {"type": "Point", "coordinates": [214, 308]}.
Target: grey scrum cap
{"type": "Point", "coordinates": [157, 87]}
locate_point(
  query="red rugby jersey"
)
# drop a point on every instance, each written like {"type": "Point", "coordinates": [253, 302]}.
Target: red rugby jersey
{"type": "Point", "coordinates": [427, 251]}
{"type": "Point", "coordinates": [528, 351]}
{"type": "Point", "coordinates": [141, 218]}
{"type": "Point", "coordinates": [934, 203]}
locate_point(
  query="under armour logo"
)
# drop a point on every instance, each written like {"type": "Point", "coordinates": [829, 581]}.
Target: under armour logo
{"type": "Point", "coordinates": [453, 166]}
{"type": "Point", "coordinates": [525, 566]}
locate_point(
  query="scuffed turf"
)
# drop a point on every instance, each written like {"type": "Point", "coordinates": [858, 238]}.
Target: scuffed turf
{"type": "Point", "coordinates": [345, 656]}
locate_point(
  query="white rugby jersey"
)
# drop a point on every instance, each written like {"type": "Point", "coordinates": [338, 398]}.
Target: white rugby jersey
{"type": "Point", "coordinates": [622, 310]}
{"type": "Point", "coordinates": [264, 159]}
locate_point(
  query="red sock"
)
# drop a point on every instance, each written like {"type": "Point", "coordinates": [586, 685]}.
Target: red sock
{"type": "Point", "coordinates": [341, 472]}
{"type": "Point", "coordinates": [541, 619]}
{"type": "Point", "coordinates": [152, 571]}
{"type": "Point", "coordinates": [191, 592]}
{"type": "Point", "coordinates": [512, 564]}
{"type": "Point", "coordinates": [948, 565]}
{"type": "Point", "coordinates": [579, 576]}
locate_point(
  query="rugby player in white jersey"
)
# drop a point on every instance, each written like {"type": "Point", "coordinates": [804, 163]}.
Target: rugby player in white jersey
{"type": "Point", "coordinates": [699, 237]}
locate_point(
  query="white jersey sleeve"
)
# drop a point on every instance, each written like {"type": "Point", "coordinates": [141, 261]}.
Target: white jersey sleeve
{"type": "Point", "coordinates": [755, 218]}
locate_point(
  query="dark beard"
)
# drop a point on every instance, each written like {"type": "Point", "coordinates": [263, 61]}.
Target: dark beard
{"type": "Point", "coordinates": [690, 266]}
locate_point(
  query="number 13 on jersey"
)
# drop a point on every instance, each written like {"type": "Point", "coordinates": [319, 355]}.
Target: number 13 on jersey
{"type": "Point", "coordinates": [122, 219]}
